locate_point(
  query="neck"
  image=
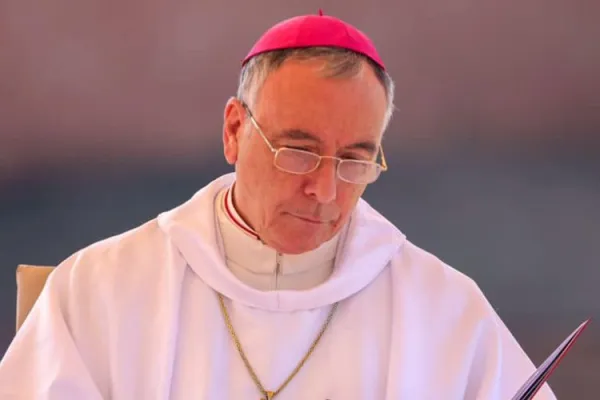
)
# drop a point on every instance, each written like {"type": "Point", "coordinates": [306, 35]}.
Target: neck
{"type": "Point", "coordinates": [261, 266]}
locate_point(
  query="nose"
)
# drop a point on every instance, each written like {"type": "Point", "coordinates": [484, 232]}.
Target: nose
{"type": "Point", "coordinates": [322, 185]}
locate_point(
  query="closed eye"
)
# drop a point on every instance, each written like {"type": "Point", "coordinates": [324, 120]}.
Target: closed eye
{"type": "Point", "coordinates": [357, 157]}
{"type": "Point", "coordinates": [300, 148]}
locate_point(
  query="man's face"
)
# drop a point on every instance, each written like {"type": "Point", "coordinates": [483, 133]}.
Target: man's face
{"type": "Point", "coordinates": [298, 108]}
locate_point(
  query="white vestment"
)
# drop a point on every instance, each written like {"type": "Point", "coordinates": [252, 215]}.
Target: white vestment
{"type": "Point", "coordinates": [136, 316]}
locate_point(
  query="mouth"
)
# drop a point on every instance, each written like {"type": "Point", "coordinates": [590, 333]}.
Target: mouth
{"type": "Point", "coordinates": [310, 220]}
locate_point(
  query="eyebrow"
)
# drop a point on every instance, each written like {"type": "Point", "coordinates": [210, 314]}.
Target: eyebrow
{"type": "Point", "coordinates": [298, 134]}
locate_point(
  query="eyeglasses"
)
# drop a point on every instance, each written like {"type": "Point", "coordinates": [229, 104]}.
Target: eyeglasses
{"type": "Point", "coordinates": [300, 162]}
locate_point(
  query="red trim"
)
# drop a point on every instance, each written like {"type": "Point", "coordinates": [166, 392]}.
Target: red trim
{"type": "Point", "coordinates": [233, 218]}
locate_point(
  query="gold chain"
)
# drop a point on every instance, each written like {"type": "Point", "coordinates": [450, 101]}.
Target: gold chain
{"type": "Point", "coordinates": [269, 394]}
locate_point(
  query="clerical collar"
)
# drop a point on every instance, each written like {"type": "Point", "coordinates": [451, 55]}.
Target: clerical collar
{"type": "Point", "coordinates": [259, 265]}
{"type": "Point", "coordinates": [234, 216]}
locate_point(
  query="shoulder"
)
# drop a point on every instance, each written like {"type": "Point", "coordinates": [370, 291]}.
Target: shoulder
{"type": "Point", "coordinates": [104, 285]}
{"type": "Point", "coordinates": [143, 255]}
{"type": "Point", "coordinates": [417, 271]}
{"type": "Point", "coordinates": [114, 265]}
{"type": "Point", "coordinates": [423, 264]}
{"type": "Point", "coordinates": [408, 259]}
{"type": "Point", "coordinates": [138, 245]}
{"type": "Point", "coordinates": [439, 283]}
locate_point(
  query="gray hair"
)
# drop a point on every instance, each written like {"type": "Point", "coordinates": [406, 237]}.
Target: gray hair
{"type": "Point", "coordinates": [339, 63]}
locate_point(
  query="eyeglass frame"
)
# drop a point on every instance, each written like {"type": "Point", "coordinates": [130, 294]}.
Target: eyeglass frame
{"type": "Point", "coordinates": [383, 165]}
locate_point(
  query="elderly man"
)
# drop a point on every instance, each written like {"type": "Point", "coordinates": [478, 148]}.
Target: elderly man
{"type": "Point", "coordinates": [277, 281]}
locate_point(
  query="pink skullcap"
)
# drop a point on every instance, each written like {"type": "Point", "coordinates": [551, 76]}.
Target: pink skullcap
{"type": "Point", "coordinates": [315, 31]}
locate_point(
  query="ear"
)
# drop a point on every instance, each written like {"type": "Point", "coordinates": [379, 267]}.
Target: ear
{"type": "Point", "coordinates": [232, 129]}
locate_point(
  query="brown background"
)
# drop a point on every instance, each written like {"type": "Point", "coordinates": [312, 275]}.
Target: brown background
{"type": "Point", "coordinates": [111, 111]}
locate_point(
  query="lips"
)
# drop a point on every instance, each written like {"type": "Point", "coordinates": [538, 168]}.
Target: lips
{"type": "Point", "coordinates": [310, 220]}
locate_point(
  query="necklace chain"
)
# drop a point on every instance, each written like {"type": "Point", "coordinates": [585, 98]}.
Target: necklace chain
{"type": "Point", "coordinates": [269, 394]}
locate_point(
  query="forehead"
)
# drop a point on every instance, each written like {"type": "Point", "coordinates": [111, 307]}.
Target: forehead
{"type": "Point", "coordinates": [298, 95]}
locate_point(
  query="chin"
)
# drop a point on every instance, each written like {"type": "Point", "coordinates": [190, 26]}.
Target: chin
{"type": "Point", "coordinates": [297, 236]}
{"type": "Point", "coordinates": [295, 248]}
{"type": "Point", "coordinates": [300, 242]}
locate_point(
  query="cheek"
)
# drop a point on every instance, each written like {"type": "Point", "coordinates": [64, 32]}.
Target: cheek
{"type": "Point", "coordinates": [282, 193]}
{"type": "Point", "coordinates": [348, 196]}
{"type": "Point", "coordinates": [271, 188]}
{"type": "Point", "coordinates": [255, 167]}
{"type": "Point", "coordinates": [285, 189]}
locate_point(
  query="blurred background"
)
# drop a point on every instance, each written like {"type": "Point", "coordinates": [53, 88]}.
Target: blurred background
{"type": "Point", "coordinates": [111, 112]}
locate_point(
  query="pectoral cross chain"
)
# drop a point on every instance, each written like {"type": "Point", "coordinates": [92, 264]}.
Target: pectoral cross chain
{"type": "Point", "coordinates": [270, 396]}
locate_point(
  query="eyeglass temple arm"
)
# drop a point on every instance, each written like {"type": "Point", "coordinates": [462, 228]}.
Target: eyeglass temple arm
{"type": "Point", "coordinates": [384, 165]}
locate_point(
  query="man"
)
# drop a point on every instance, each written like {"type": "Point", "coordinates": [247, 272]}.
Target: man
{"type": "Point", "coordinates": [277, 281]}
